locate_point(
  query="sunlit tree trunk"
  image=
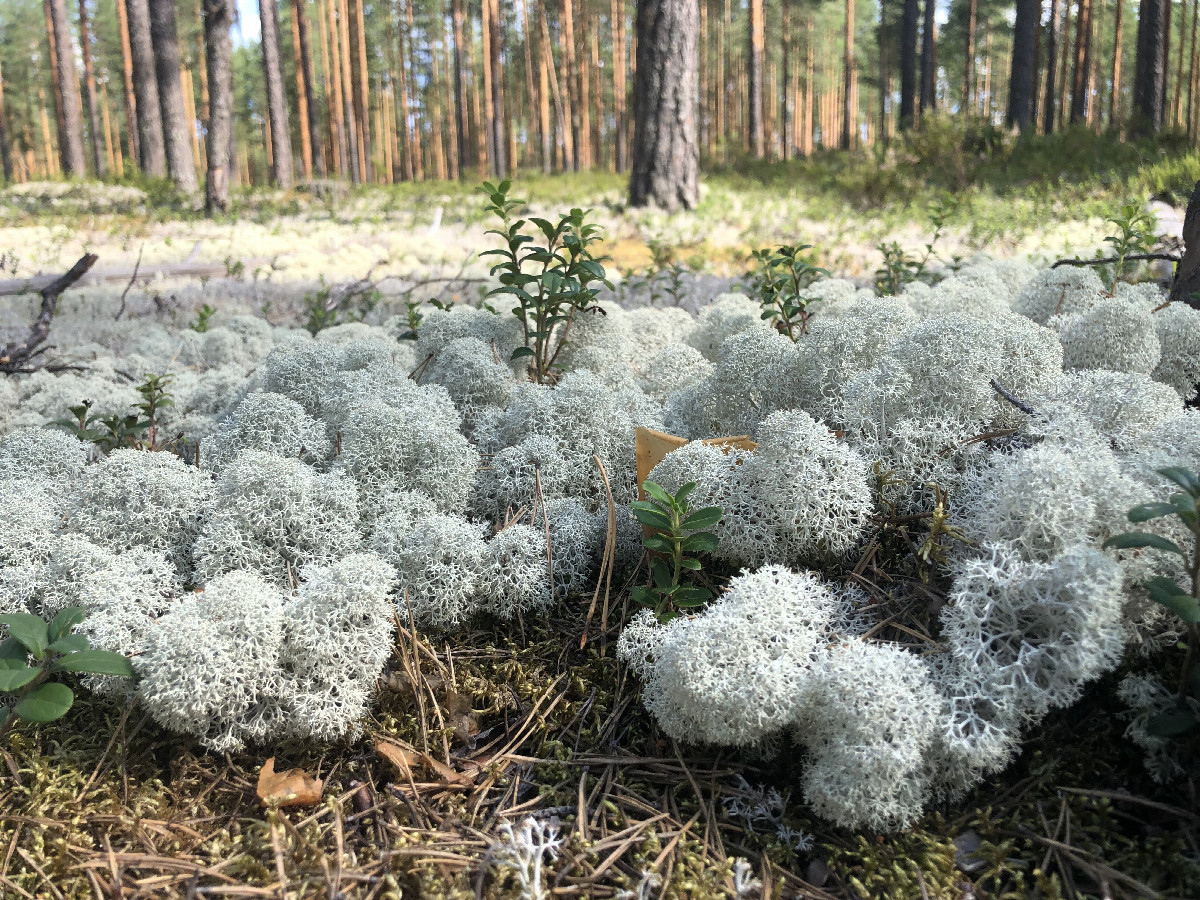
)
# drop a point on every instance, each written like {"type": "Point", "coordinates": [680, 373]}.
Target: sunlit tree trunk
{"type": "Point", "coordinates": [6, 160]}
{"type": "Point", "coordinates": [99, 161]}
{"type": "Point", "coordinates": [277, 112]}
{"type": "Point", "coordinates": [566, 36]}
{"type": "Point", "coordinates": [1150, 66]}
{"type": "Point", "coordinates": [218, 46]}
{"type": "Point", "coordinates": [620, 85]}
{"type": "Point", "coordinates": [131, 117]}
{"type": "Point", "coordinates": [848, 106]}
{"type": "Point", "coordinates": [362, 97]}
{"type": "Point", "coordinates": [153, 159]}
{"type": "Point", "coordinates": [70, 132]}
{"type": "Point", "coordinates": [1114, 102]}
{"type": "Point", "coordinates": [666, 148]}
{"type": "Point", "coordinates": [176, 127]}
{"type": "Point", "coordinates": [754, 80]}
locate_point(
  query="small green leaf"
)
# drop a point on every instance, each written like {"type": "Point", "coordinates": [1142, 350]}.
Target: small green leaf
{"type": "Point", "coordinates": [66, 620]}
{"type": "Point", "coordinates": [691, 563]}
{"type": "Point", "coordinates": [1185, 508]}
{"type": "Point", "coordinates": [662, 574]}
{"type": "Point", "coordinates": [1133, 540]}
{"type": "Point", "coordinates": [96, 662]}
{"type": "Point", "coordinates": [1185, 478]}
{"type": "Point", "coordinates": [644, 597]}
{"type": "Point", "coordinates": [654, 491]}
{"type": "Point", "coordinates": [1148, 511]}
{"type": "Point", "coordinates": [45, 703]}
{"type": "Point", "coordinates": [70, 643]}
{"type": "Point", "coordinates": [1164, 591]}
{"type": "Point", "coordinates": [29, 630]}
{"type": "Point", "coordinates": [12, 654]}
{"type": "Point", "coordinates": [703, 518]}
{"type": "Point", "coordinates": [520, 353]}
{"type": "Point", "coordinates": [700, 542]}
{"type": "Point", "coordinates": [658, 544]}
{"type": "Point", "coordinates": [682, 494]}
{"type": "Point", "coordinates": [650, 515]}
{"type": "Point", "coordinates": [15, 679]}
{"type": "Point", "coordinates": [1169, 724]}
{"type": "Point", "coordinates": [687, 597]}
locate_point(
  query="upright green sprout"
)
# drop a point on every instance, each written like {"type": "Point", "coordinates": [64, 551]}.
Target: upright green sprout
{"type": "Point", "coordinates": [679, 532]}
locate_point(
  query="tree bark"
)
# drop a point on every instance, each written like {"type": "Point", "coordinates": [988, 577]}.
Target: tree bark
{"type": "Point", "coordinates": [460, 88]}
{"type": "Point", "coordinates": [310, 124]}
{"type": "Point", "coordinates": [929, 59]}
{"type": "Point", "coordinates": [70, 134]}
{"type": "Point", "coordinates": [1083, 42]}
{"type": "Point", "coordinates": [908, 63]}
{"type": "Point", "coordinates": [1114, 103]}
{"type": "Point", "coordinates": [6, 163]}
{"type": "Point", "coordinates": [348, 116]}
{"type": "Point", "coordinates": [131, 118]}
{"type": "Point", "coordinates": [754, 80]}
{"type": "Point", "coordinates": [218, 49]}
{"type": "Point", "coordinates": [176, 127]}
{"type": "Point", "coordinates": [968, 87]}
{"type": "Point", "coordinates": [362, 97]}
{"type": "Point", "coordinates": [277, 112]}
{"type": "Point", "coordinates": [99, 162]}
{"type": "Point", "coordinates": [153, 158]}
{"type": "Point", "coordinates": [620, 86]}
{"type": "Point", "coordinates": [848, 105]}
{"type": "Point", "coordinates": [666, 148]}
{"type": "Point", "coordinates": [566, 36]}
{"type": "Point", "coordinates": [1053, 37]}
{"type": "Point", "coordinates": [1150, 67]}
{"type": "Point", "coordinates": [1021, 80]}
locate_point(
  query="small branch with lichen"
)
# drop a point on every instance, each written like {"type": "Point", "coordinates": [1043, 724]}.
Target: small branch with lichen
{"type": "Point", "coordinates": [16, 357]}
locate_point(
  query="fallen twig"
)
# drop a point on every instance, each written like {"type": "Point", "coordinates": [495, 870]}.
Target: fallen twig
{"type": "Point", "coordinates": [15, 357]}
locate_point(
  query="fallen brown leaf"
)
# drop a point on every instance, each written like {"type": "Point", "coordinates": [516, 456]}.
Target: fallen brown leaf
{"type": "Point", "coordinates": [406, 759]}
{"type": "Point", "coordinates": [295, 787]}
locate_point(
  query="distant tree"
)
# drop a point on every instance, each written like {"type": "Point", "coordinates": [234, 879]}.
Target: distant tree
{"type": "Point", "coordinates": [1053, 39]}
{"type": "Point", "coordinates": [153, 159]}
{"type": "Point", "coordinates": [929, 59]}
{"type": "Point", "coordinates": [70, 131]}
{"type": "Point", "coordinates": [666, 101]}
{"type": "Point", "coordinates": [908, 63]}
{"type": "Point", "coordinates": [754, 78]}
{"type": "Point", "coordinates": [177, 127]}
{"type": "Point", "coordinates": [218, 48]}
{"type": "Point", "coordinates": [1083, 60]}
{"type": "Point", "coordinates": [849, 109]}
{"type": "Point", "coordinates": [1021, 80]}
{"type": "Point", "coordinates": [1150, 66]}
{"type": "Point", "coordinates": [89, 91]}
{"type": "Point", "coordinates": [5, 140]}
{"type": "Point", "coordinates": [277, 111]}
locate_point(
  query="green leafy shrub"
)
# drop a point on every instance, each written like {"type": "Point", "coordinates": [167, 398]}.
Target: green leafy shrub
{"type": "Point", "coordinates": [779, 284]}
{"type": "Point", "coordinates": [1183, 505]}
{"type": "Point", "coordinates": [679, 533]}
{"type": "Point", "coordinates": [562, 281]}
{"type": "Point", "coordinates": [55, 650]}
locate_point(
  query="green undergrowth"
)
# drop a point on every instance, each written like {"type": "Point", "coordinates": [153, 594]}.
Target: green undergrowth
{"type": "Point", "coordinates": [577, 737]}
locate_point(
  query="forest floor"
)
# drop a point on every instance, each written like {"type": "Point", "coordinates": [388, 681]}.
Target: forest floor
{"type": "Point", "coordinates": [477, 730]}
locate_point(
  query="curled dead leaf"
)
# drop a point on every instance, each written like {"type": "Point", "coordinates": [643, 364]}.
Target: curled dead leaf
{"type": "Point", "coordinates": [409, 759]}
{"type": "Point", "coordinates": [295, 787]}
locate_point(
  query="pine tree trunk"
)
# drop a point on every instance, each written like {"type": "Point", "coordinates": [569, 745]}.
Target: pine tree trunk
{"type": "Point", "coordinates": [620, 85]}
{"type": "Point", "coordinates": [908, 63]}
{"type": "Point", "coordinates": [281, 148]}
{"type": "Point", "coordinates": [6, 162]}
{"type": "Point", "coordinates": [968, 87]}
{"type": "Point", "coordinates": [348, 116]}
{"type": "Point", "coordinates": [787, 124]}
{"type": "Point", "coordinates": [362, 95]}
{"type": "Point", "coordinates": [70, 134]}
{"type": "Point", "coordinates": [218, 50]}
{"type": "Point", "coordinates": [176, 127]}
{"type": "Point", "coordinates": [585, 100]}
{"type": "Point", "coordinates": [333, 96]}
{"type": "Point", "coordinates": [1021, 81]}
{"type": "Point", "coordinates": [1114, 103]}
{"type": "Point", "coordinates": [929, 59]}
{"type": "Point", "coordinates": [131, 117]}
{"type": "Point", "coordinates": [116, 164]}
{"type": "Point", "coordinates": [1053, 36]}
{"type": "Point", "coordinates": [848, 106]}
{"type": "Point", "coordinates": [1083, 30]}
{"type": "Point", "coordinates": [99, 162]}
{"type": "Point", "coordinates": [1191, 104]}
{"type": "Point", "coordinates": [666, 149]}
{"type": "Point", "coordinates": [566, 36]}
{"type": "Point", "coordinates": [810, 74]}
{"type": "Point", "coordinates": [497, 89]}
{"type": "Point", "coordinates": [1177, 108]}
{"type": "Point", "coordinates": [153, 159]}
{"type": "Point", "coordinates": [754, 80]}
{"type": "Point", "coordinates": [307, 92]}
{"type": "Point", "coordinates": [460, 88]}
{"type": "Point", "coordinates": [1150, 66]}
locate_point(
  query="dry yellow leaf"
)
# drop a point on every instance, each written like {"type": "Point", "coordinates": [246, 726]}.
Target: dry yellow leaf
{"type": "Point", "coordinates": [406, 759]}
{"type": "Point", "coordinates": [295, 787]}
